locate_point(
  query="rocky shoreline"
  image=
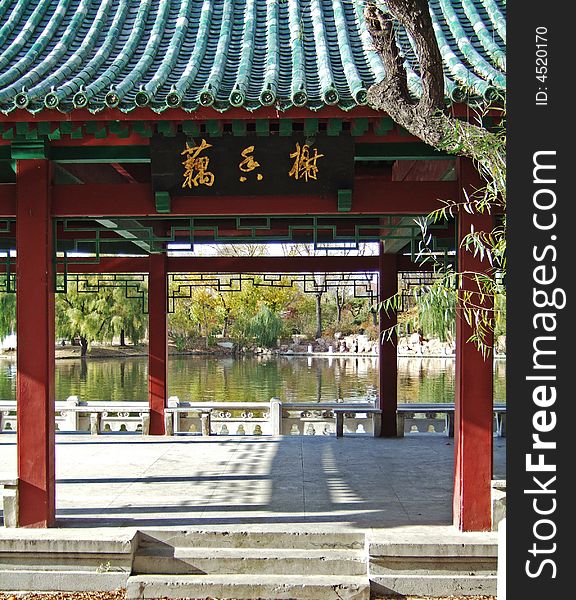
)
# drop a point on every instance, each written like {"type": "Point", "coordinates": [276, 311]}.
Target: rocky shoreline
{"type": "Point", "coordinates": [338, 346]}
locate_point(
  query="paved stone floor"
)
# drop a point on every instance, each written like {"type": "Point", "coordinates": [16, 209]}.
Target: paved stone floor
{"type": "Point", "coordinates": [127, 480]}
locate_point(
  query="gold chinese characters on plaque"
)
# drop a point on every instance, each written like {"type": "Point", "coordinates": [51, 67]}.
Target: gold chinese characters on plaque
{"type": "Point", "coordinates": [197, 169]}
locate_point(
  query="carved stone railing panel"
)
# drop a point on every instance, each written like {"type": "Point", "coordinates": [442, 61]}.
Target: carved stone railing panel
{"type": "Point", "coordinates": [240, 418]}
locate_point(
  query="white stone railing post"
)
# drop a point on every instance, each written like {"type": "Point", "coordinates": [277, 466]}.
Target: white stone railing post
{"type": "Point", "coordinates": [172, 419]}
{"type": "Point", "coordinates": [145, 422]}
{"type": "Point", "coordinates": [168, 423]}
{"type": "Point", "coordinates": [276, 416]}
{"type": "Point", "coordinates": [10, 503]}
{"type": "Point", "coordinates": [72, 419]}
{"type": "Point", "coordinates": [95, 420]}
{"type": "Point", "coordinates": [206, 421]}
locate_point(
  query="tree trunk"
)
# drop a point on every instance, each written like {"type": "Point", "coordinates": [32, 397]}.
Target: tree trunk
{"type": "Point", "coordinates": [122, 338]}
{"type": "Point", "coordinates": [427, 117]}
{"type": "Point", "coordinates": [339, 305]}
{"type": "Point", "coordinates": [83, 369]}
{"type": "Point", "coordinates": [83, 346]}
{"type": "Point", "coordinates": [318, 316]}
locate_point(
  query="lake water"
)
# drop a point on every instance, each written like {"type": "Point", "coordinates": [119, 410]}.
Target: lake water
{"type": "Point", "coordinates": [253, 379]}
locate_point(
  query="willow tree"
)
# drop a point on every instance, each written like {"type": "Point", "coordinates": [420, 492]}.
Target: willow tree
{"type": "Point", "coordinates": [7, 314]}
{"type": "Point", "coordinates": [428, 118]}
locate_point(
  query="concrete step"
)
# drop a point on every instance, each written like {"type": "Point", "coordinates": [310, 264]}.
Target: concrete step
{"type": "Point", "coordinates": [65, 560]}
{"type": "Point", "coordinates": [248, 587]}
{"type": "Point", "coordinates": [251, 539]}
{"type": "Point", "coordinates": [433, 585]}
{"type": "Point", "coordinates": [29, 580]}
{"type": "Point", "coordinates": [280, 561]}
{"type": "Point", "coordinates": [433, 567]}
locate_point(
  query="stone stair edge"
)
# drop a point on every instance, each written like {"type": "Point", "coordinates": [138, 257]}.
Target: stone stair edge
{"type": "Point", "coordinates": [68, 540]}
{"type": "Point", "coordinates": [310, 587]}
{"type": "Point", "coordinates": [434, 550]}
{"type": "Point", "coordinates": [262, 539]}
{"type": "Point", "coordinates": [22, 580]}
{"type": "Point", "coordinates": [222, 552]}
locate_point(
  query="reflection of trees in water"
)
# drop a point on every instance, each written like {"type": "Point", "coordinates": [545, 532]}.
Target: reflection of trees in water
{"type": "Point", "coordinates": [425, 380]}
{"type": "Point", "coordinates": [296, 379]}
{"type": "Point", "coordinates": [250, 379]}
{"type": "Point", "coordinates": [83, 369]}
{"type": "Point", "coordinates": [118, 379]}
{"type": "Point", "coordinates": [7, 379]}
{"type": "Point", "coordinates": [499, 380]}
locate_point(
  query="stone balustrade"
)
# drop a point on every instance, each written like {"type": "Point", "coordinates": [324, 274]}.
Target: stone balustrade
{"type": "Point", "coordinates": [94, 417]}
{"type": "Point", "coordinates": [247, 418]}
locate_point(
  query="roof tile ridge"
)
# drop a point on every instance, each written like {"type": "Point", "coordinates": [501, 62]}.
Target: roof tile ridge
{"type": "Point", "coordinates": [150, 89]}
{"type": "Point", "coordinates": [19, 71]}
{"type": "Point", "coordinates": [474, 58]}
{"type": "Point", "coordinates": [119, 90]}
{"type": "Point", "coordinates": [176, 95]}
{"type": "Point", "coordinates": [20, 40]}
{"type": "Point", "coordinates": [492, 48]}
{"type": "Point", "coordinates": [208, 93]}
{"type": "Point", "coordinates": [238, 94]}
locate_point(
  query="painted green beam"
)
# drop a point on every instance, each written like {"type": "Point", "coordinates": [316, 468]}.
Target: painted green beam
{"type": "Point", "coordinates": [100, 154]}
{"type": "Point", "coordinates": [396, 151]}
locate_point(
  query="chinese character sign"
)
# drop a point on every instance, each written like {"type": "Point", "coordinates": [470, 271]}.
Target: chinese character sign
{"type": "Point", "coordinates": [231, 165]}
{"type": "Point", "coordinates": [304, 166]}
{"type": "Point", "coordinates": [249, 164]}
{"type": "Point", "coordinates": [196, 167]}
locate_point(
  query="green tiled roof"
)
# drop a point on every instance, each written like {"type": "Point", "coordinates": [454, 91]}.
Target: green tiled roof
{"type": "Point", "coordinates": [94, 54]}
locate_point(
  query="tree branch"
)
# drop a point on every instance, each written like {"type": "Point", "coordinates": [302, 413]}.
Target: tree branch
{"type": "Point", "coordinates": [426, 118]}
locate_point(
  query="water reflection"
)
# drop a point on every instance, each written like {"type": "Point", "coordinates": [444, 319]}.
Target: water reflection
{"type": "Point", "coordinates": [293, 379]}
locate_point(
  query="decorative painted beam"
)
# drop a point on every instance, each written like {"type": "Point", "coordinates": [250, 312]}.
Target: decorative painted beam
{"type": "Point", "coordinates": [272, 264]}
{"type": "Point", "coordinates": [375, 196]}
{"type": "Point", "coordinates": [231, 264]}
{"type": "Point", "coordinates": [101, 199]}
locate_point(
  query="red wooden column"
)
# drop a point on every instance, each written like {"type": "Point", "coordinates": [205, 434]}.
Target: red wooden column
{"type": "Point", "coordinates": [35, 351]}
{"type": "Point", "coordinates": [388, 361]}
{"type": "Point", "coordinates": [473, 394]}
{"type": "Point", "coordinates": [157, 341]}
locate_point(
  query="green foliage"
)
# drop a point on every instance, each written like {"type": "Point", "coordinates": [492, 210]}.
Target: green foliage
{"type": "Point", "coordinates": [479, 296]}
{"type": "Point", "coordinates": [98, 315]}
{"type": "Point", "coordinates": [266, 327]}
{"type": "Point", "coordinates": [7, 314]}
{"type": "Point", "coordinates": [258, 314]}
{"type": "Point", "coordinates": [437, 312]}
